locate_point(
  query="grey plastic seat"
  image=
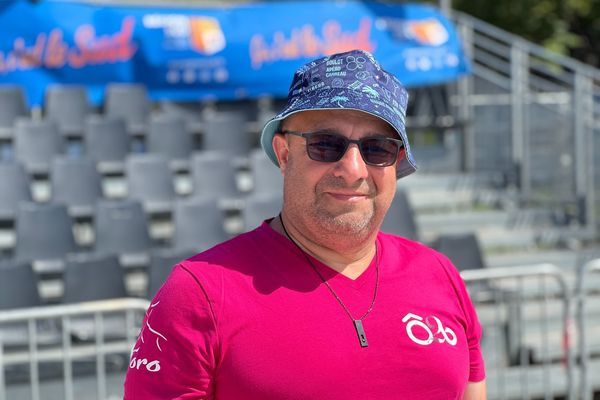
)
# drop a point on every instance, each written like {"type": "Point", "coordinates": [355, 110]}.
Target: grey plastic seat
{"type": "Point", "coordinates": [107, 142]}
{"type": "Point", "coordinates": [400, 218]}
{"type": "Point", "coordinates": [121, 228]}
{"type": "Point", "coordinates": [77, 184]}
{"type": "Point", "coordinates": [214, 175]}
{"type": "Point", "coordinates": [130, 102]}
{"type": "Point", "coordinates": [12, 106]}
{"type": "Point", "coordinates": [462, 249]}
{"type": "Point", "coordinates": [14, 189]}
{"type": "Point", "coordinates": [68, 106]}
{"type": "Point", "coordinates": [150, 181]}
{"type": "Point", "coordinates": [36, 144]}
{"type": "Point", "coordinates": [18, 286]}
{"type": "Point", "coordinates": [226, 131]}
{"type": "Point", "coordinates": [266, 176]}
{"type": "Point", "coordinates": [89, 277]}
{"type": "Point", "coordinates": [198, 224]}
{"type": "Point", "coordinates": [44, 235]}
{"type": "Point", "coordinates": [169, 136]}
{"type": "Point", "coordinates": [92, 277]}
{"type": "Point", "coordinates": [257, 208]}
{"type": "Point", "coordinates": [161, 264]}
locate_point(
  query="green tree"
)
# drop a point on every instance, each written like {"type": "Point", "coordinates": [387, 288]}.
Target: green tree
{"type": "Point", "coordinates": [570, 27]}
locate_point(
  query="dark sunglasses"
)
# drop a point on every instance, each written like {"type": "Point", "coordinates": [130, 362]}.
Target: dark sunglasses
{"type": "Point", "coordinates": [331, 147]}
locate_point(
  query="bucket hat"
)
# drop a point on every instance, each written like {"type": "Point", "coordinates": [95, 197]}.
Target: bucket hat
{"type": "Point", "coordinates": [352, 80]}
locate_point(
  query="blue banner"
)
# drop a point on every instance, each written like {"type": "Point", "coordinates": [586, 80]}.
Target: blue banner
{"type": "Point", "coordinates": [231, 52]}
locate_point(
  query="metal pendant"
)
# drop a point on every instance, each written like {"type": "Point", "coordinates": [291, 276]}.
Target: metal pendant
{"type": "Point", "coordinates": [360, 330]}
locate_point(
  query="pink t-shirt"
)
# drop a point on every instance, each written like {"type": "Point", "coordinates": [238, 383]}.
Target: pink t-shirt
{"type": "Point", "coordinates": [250, 319]}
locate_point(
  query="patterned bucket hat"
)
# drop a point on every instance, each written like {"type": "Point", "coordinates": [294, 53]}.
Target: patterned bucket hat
{"type": "Point", "coordinates": [352, 80]}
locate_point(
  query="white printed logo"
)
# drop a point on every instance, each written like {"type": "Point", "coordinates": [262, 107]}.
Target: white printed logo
{"type": "Point", "coordinates": [426, 336]}
{"type": "Point", "coordinates": [137, 363]}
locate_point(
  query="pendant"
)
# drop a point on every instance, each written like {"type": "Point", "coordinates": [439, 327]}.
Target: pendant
{"type": "Point", "coordinates": [362, 337]}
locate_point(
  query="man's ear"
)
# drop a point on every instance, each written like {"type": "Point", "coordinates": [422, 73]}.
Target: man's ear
{"type": "Point", "coordinates": [282, 150]}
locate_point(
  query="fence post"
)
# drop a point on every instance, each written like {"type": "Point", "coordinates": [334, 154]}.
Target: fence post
{"type": "Point", "coordinates": [583, 115]}
{"type": "Point", "coordinates": [465, 108]}
{"type": "Point", "coordinates": [519, 94]}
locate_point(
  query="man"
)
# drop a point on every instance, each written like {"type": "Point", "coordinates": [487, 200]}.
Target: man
{"type": "Point", "coordinates": [316, 303]}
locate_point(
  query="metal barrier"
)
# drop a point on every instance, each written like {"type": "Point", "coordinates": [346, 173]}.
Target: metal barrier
{"type": "Point", "coordinates": [68, 351]}
{"type": "Point", "coordinates": [589, 353]}
{"type": "Point", "coordinates": [526, 319]}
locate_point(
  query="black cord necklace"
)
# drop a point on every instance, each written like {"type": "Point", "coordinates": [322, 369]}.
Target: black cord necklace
{"type": "Point", "coordinates": [360, 330]}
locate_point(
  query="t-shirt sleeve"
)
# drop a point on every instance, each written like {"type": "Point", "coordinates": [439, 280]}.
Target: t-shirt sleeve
{"type": "Point", "coordinates": [175, 355]}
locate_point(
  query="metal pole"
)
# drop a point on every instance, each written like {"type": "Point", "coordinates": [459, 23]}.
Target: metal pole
{"type": "Point", "coordinates": [465, 109]}
{"type": "Point", "coordinates": [519, 102]}
{"type": "Point", "coordinates": [584, 148]}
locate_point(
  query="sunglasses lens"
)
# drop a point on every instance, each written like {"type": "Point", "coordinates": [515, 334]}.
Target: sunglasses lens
{"type": "Point", "coordinates": [379, 151]}
{"type": "Point", "coordinates": [326, 147]}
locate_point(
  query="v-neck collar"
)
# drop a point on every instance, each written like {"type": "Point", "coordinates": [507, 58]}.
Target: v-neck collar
{"type": "Point", "coordinates": [328, 273]}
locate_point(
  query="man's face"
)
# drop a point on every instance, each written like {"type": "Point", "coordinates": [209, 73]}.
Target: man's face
{"type": "Point", "coordinates": [343, 197]}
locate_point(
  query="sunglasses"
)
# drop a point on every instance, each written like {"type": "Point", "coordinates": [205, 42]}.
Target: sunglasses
{"type": "Point", "coordinates": [331, 147]}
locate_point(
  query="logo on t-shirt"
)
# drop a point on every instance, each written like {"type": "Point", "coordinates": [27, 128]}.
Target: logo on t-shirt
{"type": "Point", "coordinates": [421, 330]}
{"type": "Point", "coordinates": [147, 333]}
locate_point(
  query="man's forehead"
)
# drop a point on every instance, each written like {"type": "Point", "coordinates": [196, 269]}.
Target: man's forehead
{"type": "Point", "coordinates": [328, 119]}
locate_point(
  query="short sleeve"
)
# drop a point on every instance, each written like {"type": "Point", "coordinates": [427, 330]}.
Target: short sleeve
{"type": "Point", "coordinates": [175, 354]}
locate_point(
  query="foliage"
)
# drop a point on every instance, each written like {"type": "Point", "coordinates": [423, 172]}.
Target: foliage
{"type": "Point", "coordinates": [570, 27]}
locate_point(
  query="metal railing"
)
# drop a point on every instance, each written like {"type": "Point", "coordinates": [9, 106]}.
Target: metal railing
{"type": "Point", "coordinates": [531, 114]}
{"type": "Point", "coordinates": [526, 319]}
{"type": "Point", "coordinates": [588, 353]}
{"type": "Point", "coordinates": [68, 338]}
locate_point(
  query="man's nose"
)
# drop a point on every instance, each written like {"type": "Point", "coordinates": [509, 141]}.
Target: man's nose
{"type": "Point", "coordinates": [351, 166]}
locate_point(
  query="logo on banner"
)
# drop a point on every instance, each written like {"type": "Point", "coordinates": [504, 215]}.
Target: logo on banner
{"type": "Point", "coordinates": [206, 35]}
{"type": "Point", "coordinates": [426, 32]}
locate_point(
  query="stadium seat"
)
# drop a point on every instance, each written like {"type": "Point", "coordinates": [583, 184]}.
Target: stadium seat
{"type": "Point", "coordinates": [130, 102]}
{"type": "Point", "coordinates": [400, 218]}
{"type": "Point", "coordinates": [89, 277]}
{"type": "Point", "coordinates": [44, 234]}
{"type": "Point", "coordinates": [14, 189]}
{"type": "Point", "coordinates": [18, 286]}
{"type": "Point", "coordinates": [68, 106]}
{"type": "Point", "coordinates": [77, 184]}
{"type": "Point", "coordinates": [150, 181]}
{"type": "Point", "coordinates": [12, 106]}
{"type": "Point", "coordinates": [266, 177]}
{"type": "Point", "coordinates": [121, 228]}
{"type": "Point", "coordinates": [107, 143]}
{"type": "Point", "coordinates": [36, 144]}
{"type": "Point", "coordinates": [257, 208]}
{"type": "Point", "coordinates": [198, 224]}
{"type": "Point", "coordinates": [462, 249]}
{"type": "Point", "coordinates": [161, 264]}
{"type": "Point", "coordinates": [226, 131]}
{"type": "Point", "coordinates": [169, 136]}
{"type": "Point", "coordinates": [214, 175]}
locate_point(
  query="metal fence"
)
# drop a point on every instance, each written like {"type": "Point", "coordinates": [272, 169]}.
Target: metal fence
{"type": "Point", "coordinates": [525, 315]}
{"type": "Point", "coordinates": [66, 352]}
{"type": "Point", "coordinates": [82, 351]}
{"type": "Point", "coordinates": [532, 115]}
{"type": "Point", "coordinates": [588, 322]}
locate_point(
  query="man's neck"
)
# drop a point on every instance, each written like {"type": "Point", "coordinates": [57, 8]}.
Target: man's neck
{"type": "Point", "coordinates": [350, 262]}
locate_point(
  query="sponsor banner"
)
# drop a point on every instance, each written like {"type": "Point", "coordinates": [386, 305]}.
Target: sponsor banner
{"type": "Point", "coordinates": [231, 52]}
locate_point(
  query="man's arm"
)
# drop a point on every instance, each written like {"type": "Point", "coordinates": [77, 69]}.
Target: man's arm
{"type": "Point", "coordinates": [475, 391]}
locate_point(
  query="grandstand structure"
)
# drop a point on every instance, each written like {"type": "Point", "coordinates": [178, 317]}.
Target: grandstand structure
{"type": "Point", "coordinates": [97, 204]}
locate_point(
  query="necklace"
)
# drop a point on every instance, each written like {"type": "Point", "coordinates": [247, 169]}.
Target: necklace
{"type": "Point", "coordinates": [358, 325]}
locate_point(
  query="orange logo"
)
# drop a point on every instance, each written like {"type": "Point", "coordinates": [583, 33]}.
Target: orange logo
{"type": "Point", "coordinates": [206, 35]}
{"type": "Point", "coordinates": [429, 31]}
